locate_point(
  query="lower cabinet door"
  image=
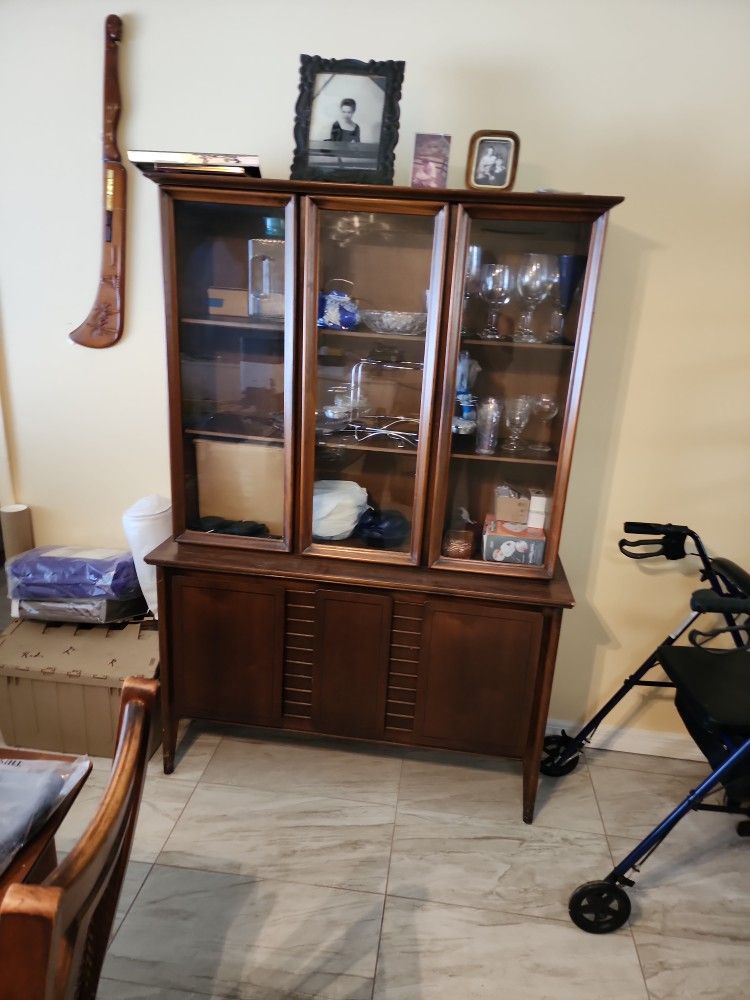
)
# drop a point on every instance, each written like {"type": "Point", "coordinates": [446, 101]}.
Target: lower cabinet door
{"type": "Point", "coordinates": [477, 673]}
{"type": "Point", "coordinates": [351, 662]}
{"type": "Point", "coordinates": [228, 646]}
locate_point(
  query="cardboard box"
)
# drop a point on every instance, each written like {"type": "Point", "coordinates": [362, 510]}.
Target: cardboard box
{"type": "Point", "coordinates": [227, 302]}
{"type": "Point", "coordinates": [60, 684]}
{"type": "Point", "coordinates": [535, 519]}
{"type": "Point", "coordinates": [514, 509]}
{"type": "Point", "coordinates": [508, 542]}
{"type": "Point", "coordinates": [241, 481]}
{"type": "Point", "coordinates": [538, 501]}
{"type": "Point", "coordinates": [229, 262]}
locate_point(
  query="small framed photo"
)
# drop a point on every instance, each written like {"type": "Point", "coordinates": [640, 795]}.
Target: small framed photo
{"type": "Point", "coordinates": [346, 124]}
{"type": "Point", "coordinates": [492, 161]}
{"type": "Point", "coordinates": [430, 166]}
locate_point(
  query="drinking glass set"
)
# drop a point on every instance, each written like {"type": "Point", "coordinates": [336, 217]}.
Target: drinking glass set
{"type": "Point", "coordinates": [538, 277]}
{"type": "Point", "coordinates": [514, 415]}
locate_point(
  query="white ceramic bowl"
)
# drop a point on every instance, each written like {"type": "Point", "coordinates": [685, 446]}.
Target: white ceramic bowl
{"type": "Point", "coordinates": [405, 324]}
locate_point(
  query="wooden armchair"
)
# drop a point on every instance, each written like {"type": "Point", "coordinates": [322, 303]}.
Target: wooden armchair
{"type": "Point", "coordinates": [53, 936]}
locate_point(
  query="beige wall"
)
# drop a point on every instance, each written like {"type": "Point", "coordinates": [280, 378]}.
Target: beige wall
{"type": "Point", "coordinates": [644, 98]}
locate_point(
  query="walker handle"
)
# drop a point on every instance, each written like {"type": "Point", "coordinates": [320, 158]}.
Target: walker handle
{"type": "Point", "coordinates": [647, 528]}
{"type": "Point", "coordinates": [670, 543]}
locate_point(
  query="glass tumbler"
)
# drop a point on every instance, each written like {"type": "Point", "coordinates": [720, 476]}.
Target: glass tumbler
{"type": "Point", "coordinates": [488, 425]}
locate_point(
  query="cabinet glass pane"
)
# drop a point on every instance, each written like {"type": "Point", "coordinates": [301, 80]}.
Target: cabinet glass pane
{"type": "Point", "coordinates": [231, 262]}
{"type": "Point", "coordinates": [521, 302]}
{"type": "Point", "coordinates": [372, 286]}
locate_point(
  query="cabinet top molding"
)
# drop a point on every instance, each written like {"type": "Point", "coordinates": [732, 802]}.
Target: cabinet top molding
{"type": "Point", "coordinates": [380, 192]}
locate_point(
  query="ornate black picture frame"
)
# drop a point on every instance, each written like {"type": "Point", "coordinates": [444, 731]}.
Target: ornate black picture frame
{"type": "Point", "coordinates": [346, 120]}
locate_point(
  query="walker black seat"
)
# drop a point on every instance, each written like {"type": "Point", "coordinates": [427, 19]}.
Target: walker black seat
{"type": "Point", "coordinates": [715, 685]}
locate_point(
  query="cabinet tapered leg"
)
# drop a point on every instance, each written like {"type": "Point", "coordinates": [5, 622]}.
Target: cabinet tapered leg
{"type": "Point", "coordinates": [530, 785]}
{"type": "Point", "coordinates": [169, 744]}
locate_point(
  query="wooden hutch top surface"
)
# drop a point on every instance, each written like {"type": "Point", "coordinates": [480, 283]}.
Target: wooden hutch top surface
{"type": "Point", "coordinates": [213, 558]}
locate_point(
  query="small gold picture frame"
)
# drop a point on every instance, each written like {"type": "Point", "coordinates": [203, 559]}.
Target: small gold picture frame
{"type": "Point", "coordinates": [492, 160]}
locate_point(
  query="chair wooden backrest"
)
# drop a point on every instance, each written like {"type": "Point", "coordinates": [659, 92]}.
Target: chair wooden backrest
{"type": "Point", "coordinates": [53, 936]}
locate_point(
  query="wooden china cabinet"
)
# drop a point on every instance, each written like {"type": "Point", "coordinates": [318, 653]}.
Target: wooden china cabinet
{"type": "Point", "coordinates": [323, 456]}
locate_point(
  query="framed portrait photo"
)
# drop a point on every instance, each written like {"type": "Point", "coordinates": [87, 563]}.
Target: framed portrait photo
{"type": "Point", "coordinates": [430, 164]}
{"type": "Point", "coordinates": [346, 123]}
{"type": "Point", "coordinates": [492, 160]}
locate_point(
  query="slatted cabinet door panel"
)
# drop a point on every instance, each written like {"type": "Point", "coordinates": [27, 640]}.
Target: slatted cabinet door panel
{"type": "Point", "coordinates": [299, 652]}
{"type": "Point", "coordinates": [228, 649]}
{"type": "Point", "coordinates": [477, 676]}
{"type": "Point", "coordinates": [351, 662]}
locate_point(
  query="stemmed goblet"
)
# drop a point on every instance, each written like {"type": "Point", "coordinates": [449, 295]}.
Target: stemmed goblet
{"type": "Point", "coordinates": [472, 284]}
{"type": "Point", "coordinates": [556, 324]}
{"type": "Point", "coordinates": [536, 276]}
{"type": "Point", "coordinates": [472, 271]}
{"type": "Point", "coordinates": [495, 287]}
{"type": "Point", "coordinates": [516, 413]}
{"type": "Point", "coordinates": [545, 408]}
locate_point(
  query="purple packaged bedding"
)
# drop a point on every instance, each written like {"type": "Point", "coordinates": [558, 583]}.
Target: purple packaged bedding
{"type": "Point", "coordinates": [54, 572]}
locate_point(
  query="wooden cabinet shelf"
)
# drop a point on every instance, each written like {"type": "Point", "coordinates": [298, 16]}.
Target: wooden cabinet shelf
{"type": "Point", "coordinates": [517, 458]}
{"type": "Point", "coordinates": [514, 345]}
{"type": "Point", "coordinates": [306, 623]}
{"type": "Point", "coordinates": [240, 323]}
{"type": "Point", "coordinates": [260, 438]}
{"type": "Point", "coordinates": [369, 335]}
{"type": "Point", "coordinates": [388, 447]}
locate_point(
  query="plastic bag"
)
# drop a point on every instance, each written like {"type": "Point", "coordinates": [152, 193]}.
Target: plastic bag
{"type": "Point", "coordinates": [56, 573]}
{"type": "Point", "coordinates": [87, 610]}
{"type": "Point", "coordinates": [146, 524]}
{"type": "Point", "coordinates": [337, 506]}
{"type": "Point", "coordinates": [29, 792]}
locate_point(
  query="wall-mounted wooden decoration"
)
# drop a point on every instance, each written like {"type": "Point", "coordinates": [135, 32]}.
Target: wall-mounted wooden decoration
{"type": "Point", "coordinates": [103, 325]}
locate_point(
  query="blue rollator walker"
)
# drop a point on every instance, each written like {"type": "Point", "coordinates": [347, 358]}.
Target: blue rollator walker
{"type": "Point", "coordinates": [712, 696]}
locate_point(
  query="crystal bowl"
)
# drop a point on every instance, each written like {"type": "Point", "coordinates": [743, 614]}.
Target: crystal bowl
{"type": "Point", "coordinates": [405, 324]}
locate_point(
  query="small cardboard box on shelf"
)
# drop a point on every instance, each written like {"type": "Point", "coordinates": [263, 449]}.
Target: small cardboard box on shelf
{"type": "Point", "coordinates": [509, 542]}
{"type": "Point", "coordinates": [511, 508]}
{"type": "Point", "coordinates": [227, 302]}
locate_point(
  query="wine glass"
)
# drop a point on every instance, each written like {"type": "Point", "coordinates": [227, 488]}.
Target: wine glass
{"type": "Point", "coordinates": [472, 285]}
{"type": "Point", "coordinates": [545, 408]}
{"type": "Point", "coordinates": [473, 271]}
{"type": "Point", "coordinates": [556, 324]}
{"type": "Point", "coordinates": [516, 413]}
{"type": "Point", "coordinates": [536, 277]}
{"type": "Point", "coordinates": [495, 288]}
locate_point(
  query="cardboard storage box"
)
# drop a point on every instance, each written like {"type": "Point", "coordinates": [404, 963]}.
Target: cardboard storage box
{"type": "Point", "coordinates": [538, 501]}
{"type": "Point", "coordinates": [512, 543]}
{"type": "Point", "coordinates": [241, 481]}
{"type": "Point", "coordinates": [514, 509]}
{"type": "Point", "coordinates": [227, 302]}
{"type": "Point", "coordinates": [60, 684]}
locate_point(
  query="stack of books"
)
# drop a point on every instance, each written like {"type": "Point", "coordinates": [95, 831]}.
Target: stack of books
{"type": "Point", "coordinates": [222, 163]}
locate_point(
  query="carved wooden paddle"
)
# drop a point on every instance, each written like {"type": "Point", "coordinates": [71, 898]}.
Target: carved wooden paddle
{"type": "Point", "coordinates": [103, 325]}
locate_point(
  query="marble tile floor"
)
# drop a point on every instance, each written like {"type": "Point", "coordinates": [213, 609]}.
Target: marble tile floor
{"type": "Point", "coordinates": [270, 867]}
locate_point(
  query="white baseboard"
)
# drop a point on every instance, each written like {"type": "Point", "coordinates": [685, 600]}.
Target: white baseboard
{"type": "Point", "coordinates": [646, 741]}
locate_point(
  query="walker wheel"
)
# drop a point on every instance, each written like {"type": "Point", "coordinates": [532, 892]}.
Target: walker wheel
{"type": "Point", "coordinates": [599, 907]}
{"type": "Point", "coordinates": [552, 748]}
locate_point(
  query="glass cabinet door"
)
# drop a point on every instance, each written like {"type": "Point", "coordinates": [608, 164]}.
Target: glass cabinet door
{"type": "Point", "coordinates": [514, 363]}
{"type": "Point", "coordinates": [374, 279]}
{"type": "Point", "coordinates": [232, 360]}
